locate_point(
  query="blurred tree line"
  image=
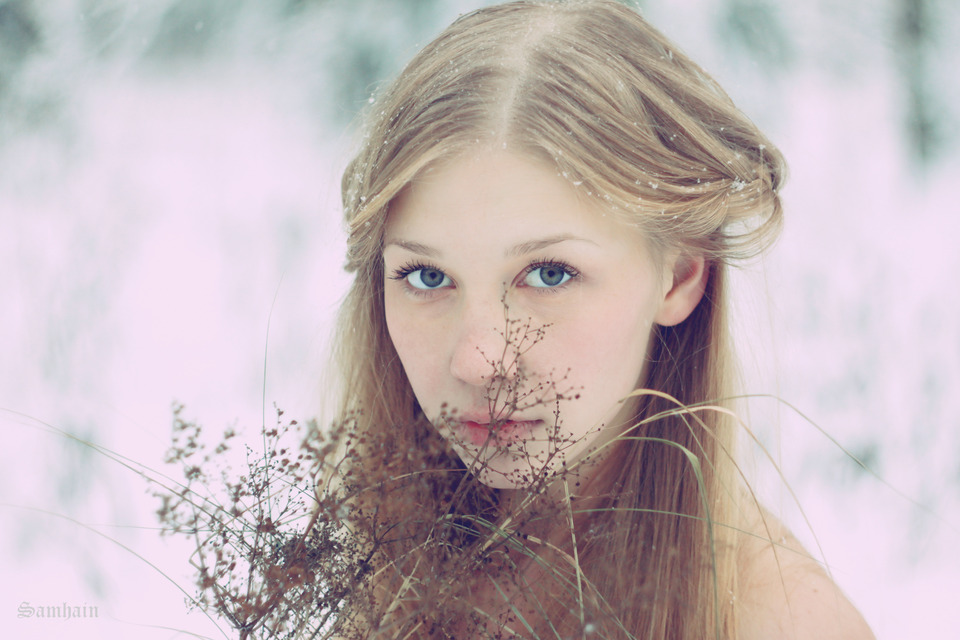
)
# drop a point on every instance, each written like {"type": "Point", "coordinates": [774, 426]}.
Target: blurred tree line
{"type": "Point", "coordinates": [341, 49]}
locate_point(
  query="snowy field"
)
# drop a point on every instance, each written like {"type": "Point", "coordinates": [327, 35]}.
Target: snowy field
{"type": "Point", "coordinates": [172, 233]}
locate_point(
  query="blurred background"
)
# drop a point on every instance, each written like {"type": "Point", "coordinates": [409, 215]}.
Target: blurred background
{"type": "Point", "coordinates": [170, 232]}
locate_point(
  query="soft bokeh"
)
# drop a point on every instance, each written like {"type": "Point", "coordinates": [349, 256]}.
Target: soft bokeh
{"type": "Point", "coordinates": [169, 231]}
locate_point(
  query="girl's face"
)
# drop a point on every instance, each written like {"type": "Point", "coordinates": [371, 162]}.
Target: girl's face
{"type": "Point", "coordinates": [520, 311]}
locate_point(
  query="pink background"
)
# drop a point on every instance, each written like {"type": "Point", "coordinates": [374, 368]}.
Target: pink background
{"type": "Point", "coordinates": [152, 230]}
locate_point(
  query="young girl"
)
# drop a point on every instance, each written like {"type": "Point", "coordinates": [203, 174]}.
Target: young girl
{"type": "Point", "coordinates": [536, 351]}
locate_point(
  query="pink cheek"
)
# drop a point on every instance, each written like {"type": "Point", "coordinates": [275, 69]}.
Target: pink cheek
{"type": "Point", "coordinates": [399, 334]}
{"type": "Point", "coordinates": [420, 358]}
{"type": "Point", "coordinates": [600, 355]}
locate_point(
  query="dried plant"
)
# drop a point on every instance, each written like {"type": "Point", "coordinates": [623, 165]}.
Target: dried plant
{"type": "Point", "coordinates": [344, 534]}
{"type": "Point", "coordinates": [268, 541]}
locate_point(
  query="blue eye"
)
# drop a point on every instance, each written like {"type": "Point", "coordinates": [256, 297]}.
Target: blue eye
{"type": "Point", "coordinates": [426, 278]}
{"type": "Point", "coordinates": [547, 276]}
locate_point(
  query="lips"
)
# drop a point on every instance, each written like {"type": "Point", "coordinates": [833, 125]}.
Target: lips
{"type": "Point", "coordinates": [501, 434]}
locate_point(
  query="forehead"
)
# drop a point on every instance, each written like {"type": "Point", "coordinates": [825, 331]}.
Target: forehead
{"type": "Point", "coordinates": [510, 195]}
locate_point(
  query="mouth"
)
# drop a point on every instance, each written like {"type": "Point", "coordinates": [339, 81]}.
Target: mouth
{"type": "Point", "coordinates": [497, 434]}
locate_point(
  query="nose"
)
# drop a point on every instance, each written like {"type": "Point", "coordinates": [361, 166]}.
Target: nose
{"type": "Point", "coordinates": [482, 353]}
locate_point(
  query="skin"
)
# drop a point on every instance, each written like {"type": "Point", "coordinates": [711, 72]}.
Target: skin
{"type": "Point", "coordinates": [495, 228]}
{"type": "Point", "coordinates": [786, 594]}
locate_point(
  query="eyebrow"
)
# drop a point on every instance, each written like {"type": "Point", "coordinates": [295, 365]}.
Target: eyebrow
{"type": "Point", "coordinates": [414, 247]}
{"type": "Point", "coordinates": [517, 250]}
{"type": "Point", "coordinates": [536, 245]}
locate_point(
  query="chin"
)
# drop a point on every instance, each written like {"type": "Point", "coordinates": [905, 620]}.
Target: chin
{"type": "Point", "coordinates": [514, 478]}
{"type": "Point", "coordinates": [498, 482]}
{"type": "Point", "coordinates": [503, 480]}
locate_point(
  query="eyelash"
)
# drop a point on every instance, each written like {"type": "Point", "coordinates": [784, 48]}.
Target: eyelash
{"type": "Point", "coordinates": [402, 272]}
{"type": "Point", "coordinates": [564, 266]}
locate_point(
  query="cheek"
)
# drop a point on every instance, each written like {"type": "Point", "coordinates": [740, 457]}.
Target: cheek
{"type": "Point", "coordinates": [400, 332]}
{"type": "Point", "coordinates": [611, 368]}
{"type": "Point", "coordinates": [605, 353]}
{"type": "Point", "coordinates": [415, 345]}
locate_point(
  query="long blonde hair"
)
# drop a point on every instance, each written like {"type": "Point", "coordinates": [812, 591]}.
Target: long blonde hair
{"type": "Point", "coordinates": [591, 88]}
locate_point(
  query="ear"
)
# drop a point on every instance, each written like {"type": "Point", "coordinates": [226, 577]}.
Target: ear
{"type": "Point", "coordinates": [690, 274]}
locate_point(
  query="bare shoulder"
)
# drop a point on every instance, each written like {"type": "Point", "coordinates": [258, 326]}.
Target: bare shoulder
{"type": "Point", "coordinates": [787, 595]}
